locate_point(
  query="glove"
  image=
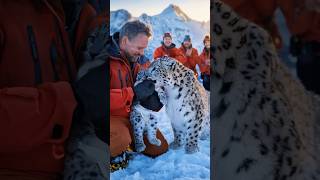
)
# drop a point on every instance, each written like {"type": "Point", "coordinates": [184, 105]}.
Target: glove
{"type": "Point", "coordinates": [147, 96]}
{"type": "Point", "coordinates": [144, 89]}
{"type": "Point", "coordinates": [152, 102]}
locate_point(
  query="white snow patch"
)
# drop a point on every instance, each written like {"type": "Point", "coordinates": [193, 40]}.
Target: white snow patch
{"type": "Point", "coordinates": [173, 165]}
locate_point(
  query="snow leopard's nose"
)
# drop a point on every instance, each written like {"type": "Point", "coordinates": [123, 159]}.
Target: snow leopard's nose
{"type": "Point", "coordinates": [144, 89]}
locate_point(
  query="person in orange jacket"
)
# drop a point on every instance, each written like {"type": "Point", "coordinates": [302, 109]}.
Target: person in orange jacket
{"type": "Point", "coordinates": [190, 53]}
{"type": "Point", "coordinates": [37, 101]}
{"type": "Point", "coordinates": [125, 49]}
{"type": "Point", "coordinates": [168, 48]}
{"type": "Point", "coordinates": [204, 63]}
{"type": "Point", "coordinates": [303, 24]}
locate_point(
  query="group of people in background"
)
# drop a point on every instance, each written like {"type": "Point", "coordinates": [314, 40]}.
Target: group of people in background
{"type": "Point", "coordinates": [188, 55]}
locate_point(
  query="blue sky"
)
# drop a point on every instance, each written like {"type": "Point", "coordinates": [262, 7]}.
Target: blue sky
{"type": "Point", "coordinates": [195, 9]}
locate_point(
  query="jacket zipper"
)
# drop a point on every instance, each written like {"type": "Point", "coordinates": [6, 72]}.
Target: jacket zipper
{"type": "Point", "coordinates": [35, 55]}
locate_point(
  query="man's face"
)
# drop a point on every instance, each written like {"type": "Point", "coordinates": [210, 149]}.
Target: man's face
{"type": "Point", "coordinates": [207, 44]}
{"type": "Point", "coordinates": [167, 41]}
{"type": "Point", "coordinates": [134, 48]}
{"type": "Point", "coordinates": [187, 44]}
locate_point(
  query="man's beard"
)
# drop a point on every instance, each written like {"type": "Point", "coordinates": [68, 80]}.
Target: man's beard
{"type": "Point", "coordinates": [187, 47]}
{"type": "Point", "coordinates": [131, 59]}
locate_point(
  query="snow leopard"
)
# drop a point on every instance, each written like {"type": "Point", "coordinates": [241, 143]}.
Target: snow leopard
{"type": "Point", "coordinates": [184, 98]}
{"type": "Point", "coordinates": [265, 123]}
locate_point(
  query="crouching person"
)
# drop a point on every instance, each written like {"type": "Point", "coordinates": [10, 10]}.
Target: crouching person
{"type": "Point", "coordinates": [124, 49]}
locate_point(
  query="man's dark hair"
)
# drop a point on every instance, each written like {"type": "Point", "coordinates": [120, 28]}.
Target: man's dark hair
{"type": "Point", "coordinates": [133, 28]}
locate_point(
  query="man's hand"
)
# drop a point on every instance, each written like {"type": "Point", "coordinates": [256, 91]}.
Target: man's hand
{"type": "Point", "coordinates": [144, 89]}
{"type": "Point", "coordinates": [152, 102]}
{"type": "Point", "coordinates": [147, 96]}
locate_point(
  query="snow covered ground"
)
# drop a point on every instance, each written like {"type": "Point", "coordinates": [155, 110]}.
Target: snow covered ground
{"type": "Point", "coordinates": [173, 165]}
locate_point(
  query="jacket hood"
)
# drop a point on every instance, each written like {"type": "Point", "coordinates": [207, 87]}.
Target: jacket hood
{"type": "Point", "coordinates": [113, 47]}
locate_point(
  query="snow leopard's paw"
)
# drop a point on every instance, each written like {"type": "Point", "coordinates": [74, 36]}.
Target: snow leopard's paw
{"type": "Point", "coordinates": [175, 145]}
{"type": "Point", "coordinates": [191, 148]}
{"type": "Point", "coordinates": [140, 147]}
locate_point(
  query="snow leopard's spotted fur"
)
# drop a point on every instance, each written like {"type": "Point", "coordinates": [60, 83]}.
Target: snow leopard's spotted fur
{"type": "Point", "coordinates": [87, 156]}
{"type": "Point", "coordinates": [185, 100]}
{"type": "Point", "coordinates": [144, 120]}
{"type": "Point", "coordinates": [264, 121]}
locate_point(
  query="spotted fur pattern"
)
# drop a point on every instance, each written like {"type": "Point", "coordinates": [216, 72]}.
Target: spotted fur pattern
{"type": "Point", "coordinates": [144, 121]}
{"type": "Point", "coordinates": [86, 155]}
{"type": "Point", "coordinates": [264, 121]}
{"type": "Point", "coordinates": [185, 100]}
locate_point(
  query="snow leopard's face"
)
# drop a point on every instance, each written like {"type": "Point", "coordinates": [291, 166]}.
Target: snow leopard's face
{"type": "Point", "coordinates": [161, 67]}
{"type": "Point", "coordinates": [160, 71]}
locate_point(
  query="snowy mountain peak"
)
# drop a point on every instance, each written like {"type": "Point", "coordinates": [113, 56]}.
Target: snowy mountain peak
{"type": "Point", "coordinates": [122, 12]}
{"type": "Point", "coordinates": [172, 19]}
{"type": "Point", "coordinates": [144, 16]}
{"type": "Point", "coordinates": [119, 17]}
{"type": "Point", "coordinates": [174, 11]}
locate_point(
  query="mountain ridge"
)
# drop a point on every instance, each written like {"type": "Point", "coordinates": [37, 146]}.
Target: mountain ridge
{"type": "Point", "coordinates": [172, 19]}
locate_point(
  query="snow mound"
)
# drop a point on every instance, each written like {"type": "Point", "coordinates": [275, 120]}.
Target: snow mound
{"type": "Point", "coordinates": [173, 165]}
